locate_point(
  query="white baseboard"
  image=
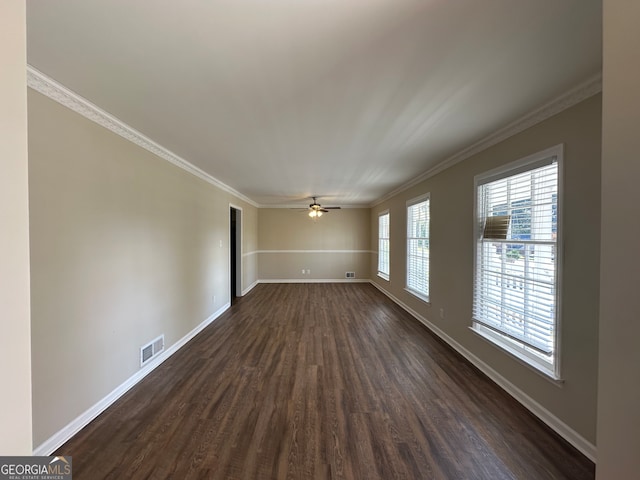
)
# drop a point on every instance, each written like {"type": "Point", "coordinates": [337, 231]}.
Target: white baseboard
{"type": "Point", "coordinates": [315, 280]}
{"type": "Point", "coordinates": [249, 288]}
{"type": "Point", "coordinates": [566, 432]}
{"type": "Point", "coordinates": [561, 428]}
{"type": "Point", "coordinates": [62, 436]}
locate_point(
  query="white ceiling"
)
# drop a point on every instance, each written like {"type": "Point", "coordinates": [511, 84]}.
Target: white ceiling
{"type": "Point", "coordinates": [344, 99]}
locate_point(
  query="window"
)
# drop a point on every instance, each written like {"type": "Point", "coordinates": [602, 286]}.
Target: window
{"type": "Point", "coordinates": [418, 247]}
{"type": "Point", "coordinates": [383, 245]}
{"type": "Point", "coordinates": [515, 301]}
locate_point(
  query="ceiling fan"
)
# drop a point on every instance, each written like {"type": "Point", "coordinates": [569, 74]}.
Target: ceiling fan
{"type": "Point", "coordinates": [316, 210]}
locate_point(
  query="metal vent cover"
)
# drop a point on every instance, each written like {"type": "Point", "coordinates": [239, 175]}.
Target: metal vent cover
{"type": "Point", "coordinates": [151, 349]}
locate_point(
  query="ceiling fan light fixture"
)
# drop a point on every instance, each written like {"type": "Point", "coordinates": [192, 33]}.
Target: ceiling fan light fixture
{"type": "Point", "coordinates": [316, 210]}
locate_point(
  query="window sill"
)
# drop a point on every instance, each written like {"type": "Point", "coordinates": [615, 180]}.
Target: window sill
{"type": "Point", "coordinates": [418, 295]}
{"type": "Point", "coordinates": [521, 357]}
{"type": "Point", "coordinates": [383, 276]}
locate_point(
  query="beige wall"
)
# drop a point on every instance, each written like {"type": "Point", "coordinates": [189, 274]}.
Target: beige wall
{"type": "Point", "coordinates": [15, 356]}
{"type": "Point", "coordinates": [452, 245]}
{"type": "Point", "coordinates": [249, 247]}
{"type": "Point", "coordinates": [124, 247]}
{"type": "Point", "coordinates": [290, 241]}
{"type": "Point", "coordinates": [619, 388]}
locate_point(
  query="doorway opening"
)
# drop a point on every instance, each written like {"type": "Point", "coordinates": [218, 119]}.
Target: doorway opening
{"type": "Point", "coordinates": [235, 255]}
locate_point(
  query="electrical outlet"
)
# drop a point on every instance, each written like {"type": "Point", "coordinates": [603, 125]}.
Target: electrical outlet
{"type": "Point", "coordinates": [442, 313]}
{"type": "Point", "coordinates": [303, 271]}
{"type": "Point", "coordinates": [308, 272]}
{"type": "Point", "coordinates": [214, 299]}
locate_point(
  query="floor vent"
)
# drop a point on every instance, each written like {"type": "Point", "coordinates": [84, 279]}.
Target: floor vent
{"type": "Point", "coordinates": [350, 275]}
{"type": "Point", "coordinates": [151, 349]}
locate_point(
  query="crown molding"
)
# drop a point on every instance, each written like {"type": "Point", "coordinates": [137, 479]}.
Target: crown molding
{"type": "Point", "coordinates": [45, 85]}
{"type": "Point", "coordinates": [59, 93]}
{"type": "Point", "coordinates": [584, 90]}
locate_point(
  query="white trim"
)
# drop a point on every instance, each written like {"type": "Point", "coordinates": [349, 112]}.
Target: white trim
{"type": "Point", "coordinates": [587, 89]}
{"type": "Point", "coordinates": [246, 254]}
{"type": "Point", "coordinates": [314, 280]}
{"type": "Point", "coordinates": [419, 199]}
{"type": "Point", "coordinates": [315, 251]}
{"type": "Point", "coordinates": [566, 432]}
{"type": "Point", "coordinates": [522, 164]}
{"type": "Point", "coordinates": [62, 436]}
{"type": "Point", "coordinates": [420, 296]}
{"type": "Point", "coordinates": [45, 85]}
{"type": "Point", "coordinates": [561, 428]}
{"type": "Point", "coordinates": [517, 355]}
{"type": "Point", "coordinates": [59, 93]}
{"type": "Point", "coordinates": [249, 288]}
{"type": "Point", "coordinates": [559, 262]}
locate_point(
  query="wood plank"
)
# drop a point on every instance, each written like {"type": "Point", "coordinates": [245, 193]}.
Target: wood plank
{"type": "Point", "coordinates": [318, 381]}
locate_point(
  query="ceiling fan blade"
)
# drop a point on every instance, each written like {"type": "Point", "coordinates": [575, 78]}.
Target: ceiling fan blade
{"type": "Point", "coordinates": [323, 210]}
{"type": "Point", "coordinates": [332, 208]}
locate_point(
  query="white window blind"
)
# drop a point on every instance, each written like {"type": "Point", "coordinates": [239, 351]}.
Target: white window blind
{"type": "Point", "coordinates": [383, 244]}
{"type": "Point", "coordinates": [418, 217]}
{"type": "Point", "coordinates": [515, 290]}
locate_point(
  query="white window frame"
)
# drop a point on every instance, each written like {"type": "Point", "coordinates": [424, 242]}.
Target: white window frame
{"type": "Point", "coordinates": [384, 267]}
{"type": "Point", "coordinates": [424, 296]}
{"type": "Point", "coordinates": [550, 368]}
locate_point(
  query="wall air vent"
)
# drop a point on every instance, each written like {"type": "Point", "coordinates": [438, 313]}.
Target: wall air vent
{"type": "Point", "coordinates": [350, 275]}
{"type": "Point", "coordinates": [151, 349]}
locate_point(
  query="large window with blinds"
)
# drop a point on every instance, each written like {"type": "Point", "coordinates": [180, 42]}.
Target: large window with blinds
{"type": "Point", "coordinates": [418, 247]}
{"type": "Point", "coordinates": [383, 245]}
{"type": "Point", "coordinates": [515, 302]}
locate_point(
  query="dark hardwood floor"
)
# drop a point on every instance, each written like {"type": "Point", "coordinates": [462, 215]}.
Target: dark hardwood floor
{"type": "Point", "coordinates": [315, 381]}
